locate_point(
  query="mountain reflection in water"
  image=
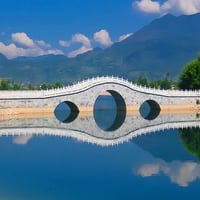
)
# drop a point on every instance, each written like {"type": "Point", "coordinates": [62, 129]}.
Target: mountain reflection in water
{"type": "Point", "coordinates": [43, 158]}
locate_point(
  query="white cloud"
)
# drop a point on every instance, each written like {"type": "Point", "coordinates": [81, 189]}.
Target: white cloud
{"type": "Point", "coordinates": [79, 51]}
{"type": "Point", "coordinates": [64, 43]}
{"type": "Point", "coordinates": [85, 42]}
{"type": "Point", "coordinates": [12, 51]}
{"type": "Point", "coordinates": [81, 39]}
{"type": "Point", "coordinates": [30, 47]}
{"type": "Point", "coordinates": [147, 6]}
{"type": "Point", "coordinates": [43, 44]}
{"type": "Point", "coordinates": [181, 173]}
{"type": "Point", "coordinates": [176, 7]}
{"type": "Point", "coordinates": [22, 39]}
{"type": "Point", "coordinates": [123, 37]}
{"type": "Point", "coordinates": [187, 7]}
{"type": "Point", "coordinates": [102, 37]}
{"type": "Point", "coordinates": [52, 51]}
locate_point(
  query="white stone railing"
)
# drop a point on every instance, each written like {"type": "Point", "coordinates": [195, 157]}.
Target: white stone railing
{"type": "Point", "coordinates": [86, 84]}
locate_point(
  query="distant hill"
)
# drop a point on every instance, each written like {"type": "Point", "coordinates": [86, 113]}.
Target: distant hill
{"type": "Point", "coordinates": [163, 46]}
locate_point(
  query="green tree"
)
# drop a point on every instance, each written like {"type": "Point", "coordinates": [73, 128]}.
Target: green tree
{"type": "Point", "coordinates": [30, 87]}
{"type": "Point", "coordinates": [17, 87]}
{"type": "Point", "coordinates": [5, 84]}
{"type": "Point", "coordinates": [190, 77]}
{"type": "Point", "coordinates": [154, 84]}
{"type": "Point", "coordinates": [57, 85]}
{"type": "Point", "coordinates": [44, 86]}
{"type": "Point", "coordinates": [142, 80]}
{"type": "Point", "coordinates": [166, 83]}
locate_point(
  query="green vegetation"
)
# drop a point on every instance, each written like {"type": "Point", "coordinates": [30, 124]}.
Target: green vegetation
{"type": "Point", "coordinates": [45, 86]}
{"type": "Point", "coordinates": [191, 140]}
{"type": "Point", "coordinates": [190, 77]}
{"type": "Point", "coordinates": [164, 83]}
{"type": "Point", "coordinates": [6, 84]}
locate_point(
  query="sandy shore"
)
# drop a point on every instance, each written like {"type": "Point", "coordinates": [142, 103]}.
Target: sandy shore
{"type": "Point", "coordinates": [88, 111]}
{"type": "Point", "coordinates": [180, 108]}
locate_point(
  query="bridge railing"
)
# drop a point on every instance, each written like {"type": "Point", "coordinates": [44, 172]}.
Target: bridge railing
{"type": "Point", "coordinates": [88, 83]}
{"type": "Point", "coordinates": [117, 80]}
{"type": "Point", "coordinates": [21, 94]}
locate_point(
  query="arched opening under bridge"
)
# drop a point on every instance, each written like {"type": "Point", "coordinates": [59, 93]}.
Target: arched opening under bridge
{"type": "Point", "coordinates": [149, 109]}
{"type": "Point", "coordinates": [66, 111]}
{"type": "Point", "coordinates": [109, 110]}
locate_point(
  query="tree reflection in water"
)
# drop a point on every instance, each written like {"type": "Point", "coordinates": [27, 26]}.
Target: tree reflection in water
{"type": "Point", "coordinates": [191, 140]}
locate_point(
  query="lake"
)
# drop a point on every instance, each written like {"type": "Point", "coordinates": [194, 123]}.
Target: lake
{"type": "Point", "coordinates": [46, 159]}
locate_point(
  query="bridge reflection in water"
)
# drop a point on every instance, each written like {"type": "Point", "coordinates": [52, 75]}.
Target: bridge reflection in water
{"type": "Point", "coordinates": [85, 128]}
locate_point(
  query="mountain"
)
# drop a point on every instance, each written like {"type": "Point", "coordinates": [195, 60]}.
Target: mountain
{"type": "Point", "coordinates": [163, 46]}
{"type": "Point", "coordinates": [49, 57]}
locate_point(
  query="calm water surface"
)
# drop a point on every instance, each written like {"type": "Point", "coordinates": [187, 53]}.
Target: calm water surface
{"type": "Point", "coordinates": [157, 165]}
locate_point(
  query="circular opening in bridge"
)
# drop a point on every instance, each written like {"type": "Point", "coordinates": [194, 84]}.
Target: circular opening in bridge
{"type": "Point", "coordinates": [66, 112]}
{"type": "Point", "coordinates": [149, 110]}
{"type": "Point", "coordinates": [109, 110]}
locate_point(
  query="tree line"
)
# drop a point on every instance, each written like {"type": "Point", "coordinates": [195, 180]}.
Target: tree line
{"type": "Point", "coordinates": [7, 84]}
{"type": "Point", "coordinates": [189, 78]}
{"type": "Point", "coordinates": [165, 83]}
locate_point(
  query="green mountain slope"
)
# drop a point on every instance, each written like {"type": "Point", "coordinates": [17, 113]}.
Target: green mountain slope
{"type": "Point", "coordinates": [163, 46]}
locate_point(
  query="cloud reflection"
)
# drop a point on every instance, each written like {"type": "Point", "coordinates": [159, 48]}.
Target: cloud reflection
{"type": "Point", "coordinates": [181, 173]}
{"type": "Point", "coordinates": [22, 139]}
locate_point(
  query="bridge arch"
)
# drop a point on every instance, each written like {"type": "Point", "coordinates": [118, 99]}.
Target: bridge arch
{"type": "Point", "coordinates": [119, 115]}
{"type": "Point", "coordinates": [150, 109]}
{"type": "Point", "coordinates": [66, 111]}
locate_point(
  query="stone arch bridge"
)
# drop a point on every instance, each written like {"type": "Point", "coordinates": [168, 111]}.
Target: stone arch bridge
{"type": "Point", "coordinates": [82, 96]}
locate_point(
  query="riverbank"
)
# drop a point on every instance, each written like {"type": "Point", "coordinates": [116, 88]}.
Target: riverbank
{"type": "Point", "coordinates": [88, 111]}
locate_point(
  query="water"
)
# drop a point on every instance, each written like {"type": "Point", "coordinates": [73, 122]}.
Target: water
{"type": "Point", "coordinates": [158, 165]}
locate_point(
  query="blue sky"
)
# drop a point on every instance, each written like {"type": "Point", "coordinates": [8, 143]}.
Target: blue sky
{"type": "Point", "coordinates": [72, 27]}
